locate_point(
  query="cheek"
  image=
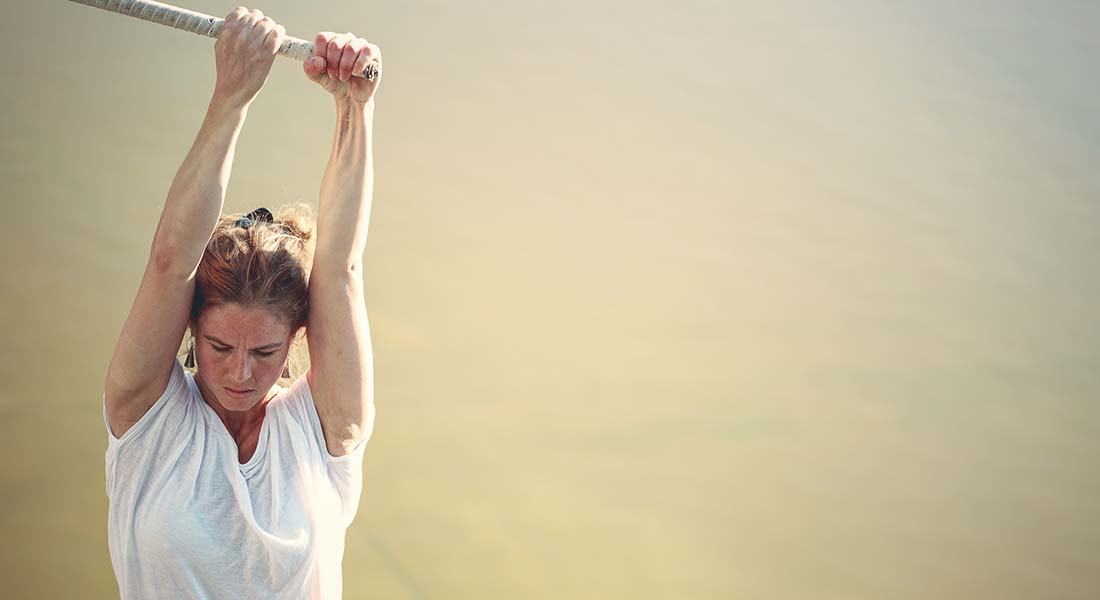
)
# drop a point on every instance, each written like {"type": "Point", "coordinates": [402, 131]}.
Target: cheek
{"type": "Point", "coordinates": [269, 364]}
{"type": "Point", "coordinates": [267, 367]}
{"type": "Point", "coordinates": [209, 361]}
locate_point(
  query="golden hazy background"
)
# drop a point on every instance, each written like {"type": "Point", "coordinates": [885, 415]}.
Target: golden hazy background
{"type": "Point", "coordinates": [668, 300]}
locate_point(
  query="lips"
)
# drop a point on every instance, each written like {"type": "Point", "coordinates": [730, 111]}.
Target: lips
{"type": "Point", "coordinates": [237, 392]}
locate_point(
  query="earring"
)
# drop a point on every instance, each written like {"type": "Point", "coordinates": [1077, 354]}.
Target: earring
{"type": "Point", "coordinates": [190, 362]}
{"type": "Point", "coordinates": [286, 370]}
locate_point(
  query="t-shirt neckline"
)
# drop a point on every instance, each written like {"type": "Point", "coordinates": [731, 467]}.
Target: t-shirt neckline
{"type": "Point", "coordinates": [213, 421]}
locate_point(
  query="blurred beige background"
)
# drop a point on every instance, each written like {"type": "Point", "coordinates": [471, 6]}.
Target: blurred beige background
{"type": "Point", "coordinates": [692, 300]}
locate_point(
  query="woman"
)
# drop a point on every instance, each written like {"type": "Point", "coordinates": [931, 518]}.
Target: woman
{"type": "Point", "coordinates": [223, 483]}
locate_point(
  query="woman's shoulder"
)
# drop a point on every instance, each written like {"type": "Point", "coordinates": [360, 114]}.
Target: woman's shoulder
{"type": "Point", "coordinates": [296, 400]}
{"type": "Point", "coordinates": [162, 403]}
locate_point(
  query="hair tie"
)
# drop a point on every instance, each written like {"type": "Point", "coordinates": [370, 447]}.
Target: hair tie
{"type": "Point", "coordinates": [260, 215]}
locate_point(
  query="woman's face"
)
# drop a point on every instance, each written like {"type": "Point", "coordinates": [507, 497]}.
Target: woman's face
{"type": "Point", "coordinates": [239, 349]}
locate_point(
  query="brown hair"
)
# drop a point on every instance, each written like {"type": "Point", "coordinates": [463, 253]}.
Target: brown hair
{"type": "Point", "coordinates": [261, 265]}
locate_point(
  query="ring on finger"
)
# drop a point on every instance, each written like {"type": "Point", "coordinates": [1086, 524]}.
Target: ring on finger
{"type": "Point", "coordinates": [374, 68]}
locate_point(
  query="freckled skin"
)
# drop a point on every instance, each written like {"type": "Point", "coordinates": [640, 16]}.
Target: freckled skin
{"type": "Point", "coordinates": [240, 367]}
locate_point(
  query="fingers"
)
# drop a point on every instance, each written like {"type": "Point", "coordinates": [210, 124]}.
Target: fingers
{"type": "Point", "coordinates": [273, 40]}
{"type": "Point", "coordinates": [232, 22]}
{"type": "Point", "coordinates": [320, 42]}
{"type": "Point", "coordinates": [347, 60]}
{"type": "Point", "coordinates": [314, 71]}
{"type": "Point", "coordinates": [253, 27]}
{"type": "Point", "coordinates": [361, 63]}
{"type": "Point", "coordinates": [345, 54]}
{"type": "Point", "coordinates": [242, 19]}
{"type": "Point", "coordinates": [332, 55]}
{"type": "Point", "coordinates": [236, 15]}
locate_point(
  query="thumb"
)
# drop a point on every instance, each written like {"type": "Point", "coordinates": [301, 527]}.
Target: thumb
{"type": "Point", "coordinates": [315, 67]}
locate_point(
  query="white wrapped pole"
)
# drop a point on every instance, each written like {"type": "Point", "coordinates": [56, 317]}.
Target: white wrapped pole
{"type": "Point", "coordinates": [196, 22]}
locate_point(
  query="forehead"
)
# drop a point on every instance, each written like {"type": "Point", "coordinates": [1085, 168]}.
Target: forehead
{"type": "Point", "coordinates": [235, 321]}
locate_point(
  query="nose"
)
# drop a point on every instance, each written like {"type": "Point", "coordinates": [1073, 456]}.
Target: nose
{"type": "Point", "coordinates": [242, 368]}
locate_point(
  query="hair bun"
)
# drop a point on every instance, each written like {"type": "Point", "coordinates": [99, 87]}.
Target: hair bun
{"type": "Point", "coordinates": [298, 221]}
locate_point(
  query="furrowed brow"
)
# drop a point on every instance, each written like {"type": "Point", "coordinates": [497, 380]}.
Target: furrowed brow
{"type": "Point", "coordinates": [272, 345]}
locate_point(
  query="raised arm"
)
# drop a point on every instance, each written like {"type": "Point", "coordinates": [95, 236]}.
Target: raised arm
{"type": "Point", "coordinates": [341, 373]}
{"type": "Point", "coordinates": [144, 355]}
{"type": "Point", "coordinates": [243, 53]}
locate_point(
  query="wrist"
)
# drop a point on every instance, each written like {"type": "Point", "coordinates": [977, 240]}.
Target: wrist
{"type": "Point", "coordinates": [223, 105]}
{"type": "Point", "coordinates": [346, 106]}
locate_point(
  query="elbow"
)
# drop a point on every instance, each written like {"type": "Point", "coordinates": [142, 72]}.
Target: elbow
{"type": "Point", "coordinates": [168, 259]}
{"type": "Point", "coordinates": [345, 267]}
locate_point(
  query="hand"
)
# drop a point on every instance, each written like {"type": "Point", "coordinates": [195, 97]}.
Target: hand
{"type": "Point", "coordinates": [337, 58]}
{"type": "Point", "coordinates": [246, 47]}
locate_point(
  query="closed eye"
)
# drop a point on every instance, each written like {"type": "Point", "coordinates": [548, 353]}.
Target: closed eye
{"type": "Point", "coordinates": [226, 349]}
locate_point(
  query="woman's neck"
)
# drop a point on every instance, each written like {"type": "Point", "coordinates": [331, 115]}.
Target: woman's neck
{"type": "Point", "coordinates": [239, 423]}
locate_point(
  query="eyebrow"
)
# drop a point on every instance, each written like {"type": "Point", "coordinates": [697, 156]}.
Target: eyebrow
{"type": "Point", "coordinates": [216, 340]}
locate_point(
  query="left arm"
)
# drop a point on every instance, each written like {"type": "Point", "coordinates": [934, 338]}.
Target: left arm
{"type": "Point", "coordinates": [341, 373]}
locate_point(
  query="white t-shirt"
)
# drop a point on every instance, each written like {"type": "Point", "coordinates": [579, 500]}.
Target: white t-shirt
{"type": "Point", "coordinates": [187, 520]}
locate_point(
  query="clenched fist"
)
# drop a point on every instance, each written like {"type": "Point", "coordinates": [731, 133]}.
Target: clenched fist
{"type": "Point", "coordinates": [337, 60]}
{"type": "Point", "coordinates": [244, 52]}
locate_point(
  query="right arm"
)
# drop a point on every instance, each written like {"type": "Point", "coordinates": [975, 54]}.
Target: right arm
{"type": "Point", "coordinates": [144, 355]}
{"type": "Point", "coordinates": [145, 352]}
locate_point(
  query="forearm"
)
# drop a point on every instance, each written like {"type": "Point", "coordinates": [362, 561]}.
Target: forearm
{"type": "Point", "coordinates": [197, 193]}
{"type": "Point", "coordinates": [346, 189]}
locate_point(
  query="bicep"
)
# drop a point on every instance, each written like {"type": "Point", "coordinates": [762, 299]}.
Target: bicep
{"type": "Point", "coordinates": [341, 366]}
{"type": "Point", "coordinates": [145, 353]}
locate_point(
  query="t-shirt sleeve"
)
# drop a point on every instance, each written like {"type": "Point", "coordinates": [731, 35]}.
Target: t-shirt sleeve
{"type": "Point", "coordinates": [346, 471]}
{"type": "Point", "coordinates": [160, 426]}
